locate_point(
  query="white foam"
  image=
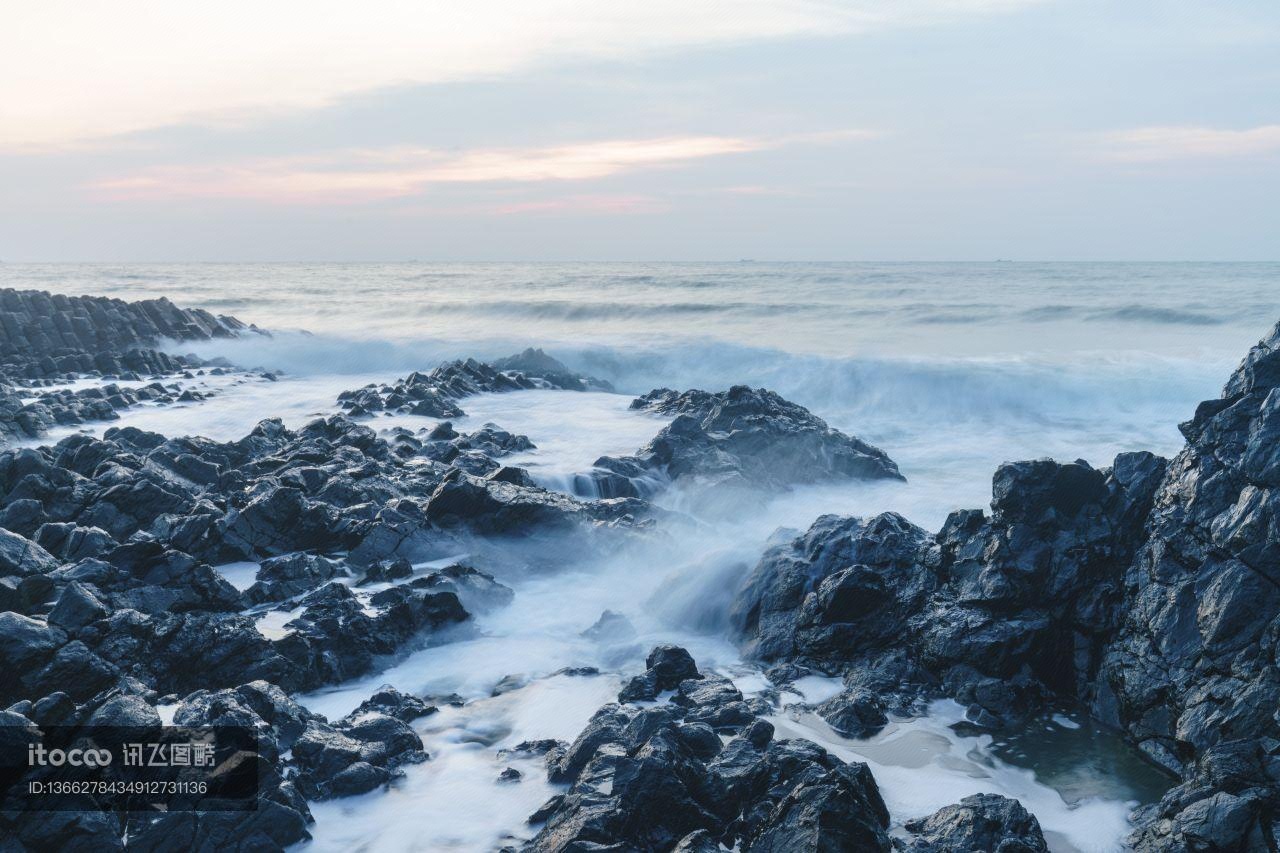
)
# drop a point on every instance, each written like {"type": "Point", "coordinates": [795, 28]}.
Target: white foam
{"type": "Point", "coordinates": [240, 575]}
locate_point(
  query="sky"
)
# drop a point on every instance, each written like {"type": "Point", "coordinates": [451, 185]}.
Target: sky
{"type": "Point", "coordinates": [170, 130]}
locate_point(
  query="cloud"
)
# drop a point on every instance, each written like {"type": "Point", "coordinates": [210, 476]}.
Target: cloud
{"type": "Point", "coordinates": [373, 174]}
{"type": "Point", "coordinates": [1158, 144]}
{"type": "Point", "coordinates": [73, 71]}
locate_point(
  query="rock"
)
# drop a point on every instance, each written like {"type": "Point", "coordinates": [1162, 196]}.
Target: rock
{"type": "Point", "coordinates": [126, 712]}
{"type": "Point", "coordinates": [20, 556]}
{"type": "Point", "coordinates": [387, 570]}
{"type": "Point", "coordinates": [611, 627]}
{"type": "Point", "coordinates": [666, 667]}
{"type": "Point", "coordinates": [651, 779]}
{"type": "Point", "coordinates": [335, 639]}
{"type": "Point", "coordinates": [357, 754]}
{"type": "Point", "coordinates": [76, 607]}
{"type": "Point", "coordinates": [874, 576]}
{"type": "Point", "coordinates": [854, 713]}
{"type": "Point", "coordinates": [509, 775]}
{"type": "Point", "coordinates": [1193, 662]}
{"type": "Point", "coordinates": [987, 822]}
{"type": "Point", "coordinates": [391, 702]}
{"type": "Point", "coordinates": [536, 364]}
{"type": "Point", "coordinates": [745, 438]}
{"type": "Point", "coordinates": [435, 394]}
{"type": "Point", "coordinates": [51, 337]}
{"type": "Point", "coordinates": [477, 591]}
{"type": "Point", "coordinates": [25, 645]}
{"type": "Point", "coordinates": [281, 578]}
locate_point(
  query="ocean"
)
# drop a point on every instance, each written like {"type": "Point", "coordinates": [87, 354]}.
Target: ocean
{"type": "Point", "coordinates": [950, 368]}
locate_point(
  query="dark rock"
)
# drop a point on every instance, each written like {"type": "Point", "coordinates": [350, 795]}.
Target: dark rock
{"type": "Point", "coordinates": [435, 394]}
{"type": "Point", "coordinates": [854, 713]}
{"type": "Point", "coordinates": [281, 578]}
{"type": "Point", "coordinates": [76, 607]}
{"type": "Point", "coordinates": [359, 753]}
{"type": "Point", "coordinates": [391, 702]}
{"type": "Point", "coordinates": [986, 822]}
{"type": "Point", "coordinates": [745, 438]}
{"type": "Point", "coordinates": [650, 779]}
{"type": "Point", "coordinates": [20, 556]}
{"type": "Point", "coordinates": [665, 668]}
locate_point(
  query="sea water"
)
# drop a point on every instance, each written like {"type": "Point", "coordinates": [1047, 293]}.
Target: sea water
{"type": "Point", "coordinates": [950, 368]}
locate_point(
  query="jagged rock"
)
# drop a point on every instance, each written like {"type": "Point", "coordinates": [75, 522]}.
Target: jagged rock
{"type": "Point", "coordinates": [649, 779]}
{"type": "Point", "coordinates": [742, 438]}
{"type": "Point", "coordinates": [477, 591]}
{"type": "Point", "coordinates": [1194, 662]}
{"type": "Point", "coordinates": [335, 639]}
{"type": "Point", "coordinates": [357, 754]}
{"type": "Point", "coordinates": [76, 607]}
{"type": "Point", "coordinates": [844, 586]}
{"type": "Point", "coordinates": [51, 336]}
{"type": "Point", "coordinates": [987, 822]}
{"type": "Point", "coordinates": [20, 556]}
{"type": "Point", "coordinates": [391, 702]}
{"type": "Point", "coordinates": [281, 578]}
{"type": "Point", "coordinates": [665, 668]}
{"type": "Point", "coordinates": [854, 713]}
{"type": "Point", "coordinates": [435, 394]}
{"type": "Point", "coordinates": [1228, 801]}
{"type": "Point", "coordinates": [385, 571]}
{"type": "Point", "coordinates": [537, 365]}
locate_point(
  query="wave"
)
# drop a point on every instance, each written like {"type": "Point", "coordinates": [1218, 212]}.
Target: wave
{"type": "Point", "coordinates": [1167, 316]}
{"type": "Point", "coordinates": [592, 310]}
{"type": "Point", "coordinates": [875, 396]}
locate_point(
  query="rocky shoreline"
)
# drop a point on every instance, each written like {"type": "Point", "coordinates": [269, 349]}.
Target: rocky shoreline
{"type": "Point", "coordinates": [51, 340]}
{"type": "Point", "coordinates": [1146, 594]}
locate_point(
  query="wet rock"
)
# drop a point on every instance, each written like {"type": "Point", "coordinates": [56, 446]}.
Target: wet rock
{"type": "Point", "coordinates": [391, 702]}
{"type": "Point", "coordinates": [77, 606]}
{"type": "Point", "coordinates": [1193, 664]}
{"type": "Point", "coordinates": [986, 822]}
{"type": "Point", "coordinates": [537, 365]}
{"type": "Point", "coordinates": [844, 586]}
{"type": "Point", "coordinates": [1229, 800]}
{"type": "Point", "coordinates": [747, 438]}
{"type": "Point", "coordinates": [357, 754]}
{"type": "Point", "coordinates": [282, 578]}
{"type": "Point", "coordinates": [69, 542]}
{"type": "Point", "coordinates": [25, 645]}
{"type": "Point", "coordinates": [387, 570]}
{"type": "Point", "coordinates": [854, 713]}
{"type": "Point", "coordinates": [652, 779]}
{"type": "Point", "coordinates": [20, 556]}
{"type": "Point", "coordinates": [335, 639]}
{"type": "Point", "coordinates": [435, 394]}
{"type": "Point", "coordinates": [477, 591]}
{"type": "Point", "coordinates": [665, 667]}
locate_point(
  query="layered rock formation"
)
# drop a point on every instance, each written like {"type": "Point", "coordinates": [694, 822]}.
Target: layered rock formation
{"type": "Point", "coordinates": [46, 338]}
{"type": "Point", "coordinates": [50, 334]}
